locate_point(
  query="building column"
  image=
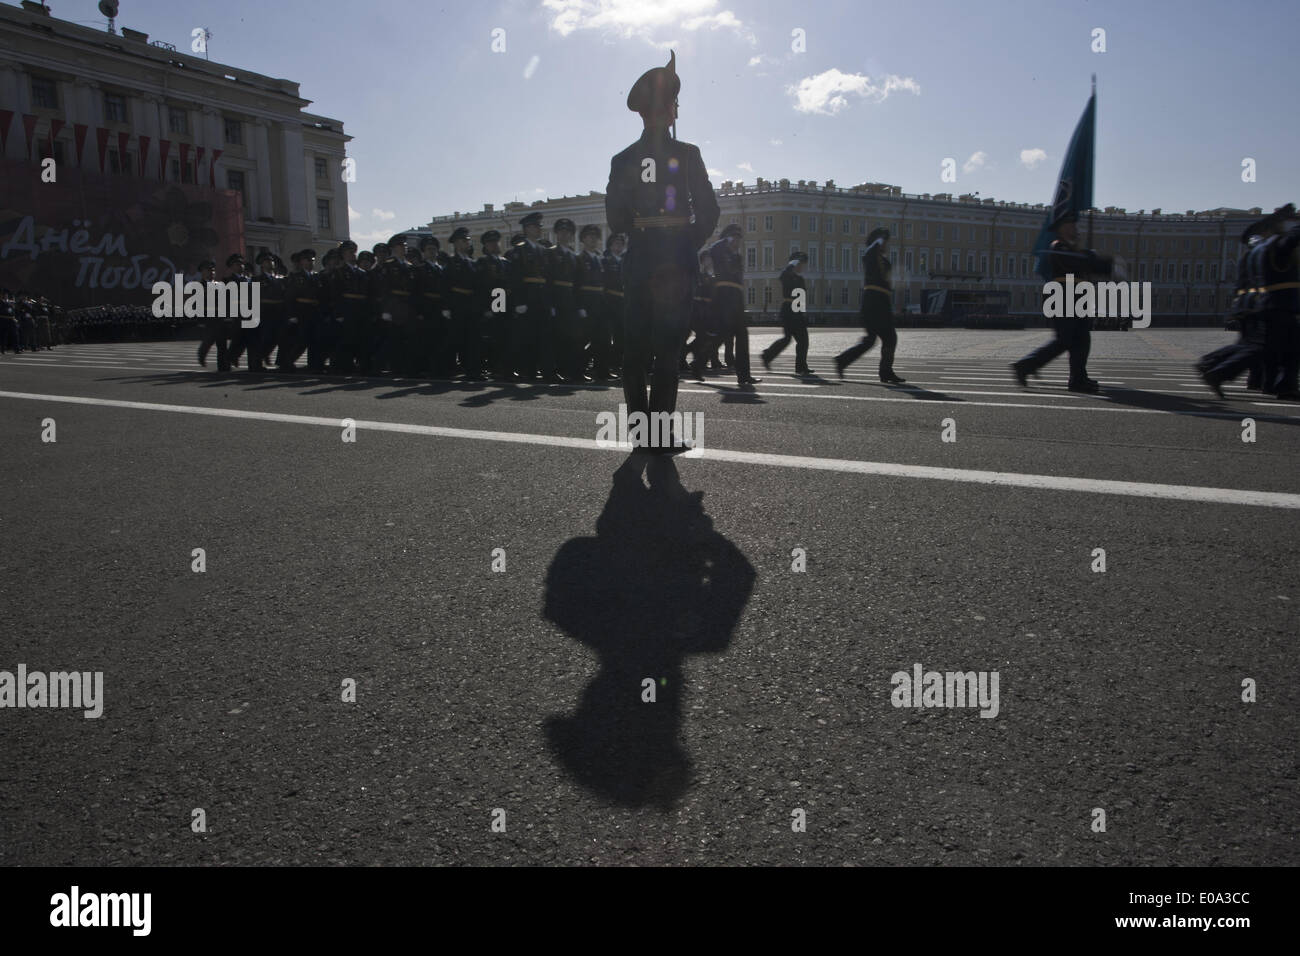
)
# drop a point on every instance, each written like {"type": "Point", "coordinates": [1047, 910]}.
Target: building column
{"type": "Point", "coordinates": [87, 106]}
{"type": "Point", "coordinates": [148, 113]}
{"type": "Point", "coordinates": [263, 207]}
{"type": "Point", "coordinates": [15, 92]}
{"type": "Point", "coordinates": [293, 158]}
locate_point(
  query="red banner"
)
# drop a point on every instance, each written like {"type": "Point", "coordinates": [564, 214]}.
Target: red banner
{"type": "Point", "coordinates": [185, 159]}
{"type": "Point", "coordinates": [198, 164]}
{"type": "Point", "coordinates": [29, 127]}
{"type": "Point", "coordinates": [212, 173]}
{"type": "Point", "coordinates": [144, 153]}
{"type": "Point", "coordinates": [101, 135]}
{"type": "Point", "coordinates": [55, 126]}
{"type": "Point", "coordinates": [79, 131]}
{"type": "Point", "coordinates": [6, 119]}
{"type": "Point", "coordinates": [164, 147]}
{"type": "Point", "coordinates": [123, 140]}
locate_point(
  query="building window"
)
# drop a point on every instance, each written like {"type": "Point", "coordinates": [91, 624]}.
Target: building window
{"type": "Point", "coordinates": [43, 150]}
{"type": "Point", "coordinates": [115, 163]}
{"type": "Point", "coordinates": [794, 222]}
{"type": "Point", "coordinates": [997, 265]}
{"type": "Point", "coordinates": [767, 294]}
{"type": "Point", "coordinates": [1155, 271]}
{"type": "Point", "coordinates": [925, 230]}
{"type": "Point", "coordinates": [938, 231]}
{"type": "Point", "coordinates": [1142, 271]}
{"type": "Point", "coordinates": [970, 262]}
{"type": "Point", "coordinates": [907, 263]}
{"type": "Point", "coordinates": [322, 168]}
{"type": "Point", "coordinates": [907, 230]}
{"type": "Point", "coordinates": [182, 174]}
{"type": "Point", "coordinates": [767, 257]}
{"type": "Point", "coordinates": [767, 223]}
{"type": "Point", "coordinates": [751, 258]}
{"type": "Point", "coordinates": [322, 214]}
{"type": "Point", "coordinates": [794, 247]}
{"type": "Point", "coordinates": [178, 120]}
{"type": "Point", "coordinates": [830, 223]}
{"type": "Point", "coordinates": [1187, 245]}
{"type": "Point", "coordinates": [1200, 271]}
{"type": "Point", "coordinates": [893, 260]}
{"type": "Point", "coordinates": [234, 132]}
{"type": "Point", "coordinates": [922, 261]}
{"type": "Point", "coordinates": [812, 257]}
{"type": "Point", "coordinates": [45, 93]}
{"type": "Point", "coordinates": [749, 295]}
{"type": "Point", "coordinates": [828, 298]}
{"type": "Point", "coordinates": [114, 108]}
{"type": "Point", "coordinates": [956, 261]}
{"type": "Point", "coordinates": [812, 223]}
{"type": "Point", "coordinates": [1186, 271]}
{"type": "Point", "coordinates": [235, 181]}
{"type": "Point", "coordinates": [846, 263]}
{"type": "Point", "coordinates": [972, 233]}
{"type": "Point", "coordinates": [751, 224]}
{"type": "Point", "coordinates": [847, 226]}
{"type": "Point", "coordinates": [1214, 272]}
{"type": "Point", "coordinates": [862, 227]}
{"type": "Point", "coordinates": [984, 265]}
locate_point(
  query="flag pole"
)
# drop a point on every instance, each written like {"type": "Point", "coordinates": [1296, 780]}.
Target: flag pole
{"type": "Point", "coordinates": [1094, 121]}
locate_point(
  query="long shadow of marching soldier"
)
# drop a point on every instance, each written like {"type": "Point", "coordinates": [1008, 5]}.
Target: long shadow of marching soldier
{"type": "Point", "coordinates": [657, 582]}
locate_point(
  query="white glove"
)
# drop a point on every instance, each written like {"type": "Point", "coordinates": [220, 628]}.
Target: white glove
{"type": "Point", "coordinates": [582, 313]}
{"type": "Point", "coordinates": [552, 311]}
{"type": "Point", "coordinates": [388, 316]}
{"type": "Point", "coordinates": [446, 313]}
{"type": "Point", "coordinates": [338, 318]}
{"type": "Point", "coordinates": [293, 321]}
{"type": "Point", "coordinates": [520, 309]}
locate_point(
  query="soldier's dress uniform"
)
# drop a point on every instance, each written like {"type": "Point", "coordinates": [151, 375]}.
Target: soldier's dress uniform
{"type": "Point", "coordinates": [875, 311]}
{"type": "Point", "coordinates": [492, 272]}
{"type": "Point", "coordinates": [302, 305]}
{"type": "Point", "coordinates": [530, 264]}
{"type": "Point", "coordinates": [592, 324]}
{"type": "Point", "coordinates": [666, 221]}
{"type": "Point", "coordinates": [1073, 335]}
{"type": "Point", "coordinates": [704, 321]}
{"type": "Point", "coordinates": [794, 324]}
{"type": "Point", "coordinates": [266, 336]}
{"type": "Point", "coordinates": [466, 330]}
{"type": "Point", "coordinates": [729, 301]}
{"type": "Point", "coordinates": [1267, 305]}
{"type": "Point", "coordinates": [613, 273]}
{"type": "Point", "coordinates": [432, 335]}
{"type": "Point", "coordinates": [395, 286]}
{"type": "Point", "coordinates": [8, 323]}
{"type": "Point", "coordinates": [349, 298]}
{"type": "Point", "coordinates": [569, 349]}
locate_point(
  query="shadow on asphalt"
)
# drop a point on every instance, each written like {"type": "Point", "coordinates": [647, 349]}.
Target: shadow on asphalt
{"type": "Point", "coordinates": [657, 583]}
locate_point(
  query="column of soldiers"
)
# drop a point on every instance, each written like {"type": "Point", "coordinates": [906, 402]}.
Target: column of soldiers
{"type": "Point", "coordinates": [30, 323]}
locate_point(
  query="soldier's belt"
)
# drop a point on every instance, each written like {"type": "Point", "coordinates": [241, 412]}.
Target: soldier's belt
{"type": "Point", "coordinates": [660, 222]}
{"type": "Point", "coordinates": [1275, 288]}
{"type": "Point", "coordinates": [535, 279]}
{"type": "Point", "coordinates": [592, 288]}
{"type": "Point", "coordinates": [312, 301]}
{"type": "Point", "coordinates": [353, 295]}
{"type": "Point", "coordinates": [400, 291]}
{"type": "Point", "coordinates": [788, 299]}
{"type": "Point", "coordinates": [615, 292]}
{"type": "Point", "coordinates": [266, 301]}
{"type": "Point", "coordinates": [561, 282]}
{"type": "Point", "coordinates": [730, 285]}
{"type": "Point", "coordinates": [876, 288]}
{"type": "Point", "coordinates": [457, 288]}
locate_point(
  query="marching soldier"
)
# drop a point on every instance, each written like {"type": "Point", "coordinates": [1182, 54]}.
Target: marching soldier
{"type": "Point", "coordinates": [794, 322]}
{"type": "Point", "coordinates": [465, 328]}
{"type": "Point", "coordinates": [667, 218]}
{"type": "Point", "coordinates": [207, 272]}
{"type": "Point", "coordinates": [8, 322]}
{"type": "Point", "coordinates": [432, 332]}
{"type": "Point", "coordinates": [613, 270]}
{"type": "Point", "coordinates": [302, 305]}
{"type": "Point", "coordinates": [530, 264]}
{"type": "Point", "coordinates": [876, 310]}
{"type": "Point", "coordinates": [492, 272]}
{"type": "Point", "coordinates": [238, 338]}
{"type": "Point", "coordinates": [366, 260]}
{"type": "Point", "coordinates": [1073, 335]}
{"type": "Point", "coordinates": [264, 338]}
{"type": "Point", "coordinates": [729, 298]}
{"type": "Point", "coordinates": [570, 349]}
{"type": "Point", "coordinates": [349, 300]}
{"type": "Point", "coordinates": [396, 282]}
{"type": "Point", "coordinates": [703, 321]}
{"type": "Point", "coordinates": [593, 326]}
{"type": "Point", "coordinates": [1268, 305]}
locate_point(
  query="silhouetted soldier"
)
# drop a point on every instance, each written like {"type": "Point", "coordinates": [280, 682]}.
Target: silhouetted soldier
{"type": "Point", "coordinates": [794, 321]}
{"type": "Point", "coordinates": [660, 195]}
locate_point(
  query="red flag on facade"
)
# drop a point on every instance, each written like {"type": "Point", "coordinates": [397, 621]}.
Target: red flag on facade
{"type": "Point", "coordinates": [29, 127]}
{"type": "Point", "coordinates": [6, 118]}
{"type": "Point", "coordinates": [164, 147]}
{"type": "Point", "coordinates": [212, 173]}
{"type": "Point", "coordinates": [123, 140]}
{"type": "Point", "coordinates": [79, 131]}
{"type": "Point", "coordinates": [198, 162]}
{"type": "Point", "coordinates": [101, 135]}
{"type": "Point", "coordinates": [144, 153]}
{"type": "Point", "coordinates": [55, 126]}
{"type": "Point", "coordinates": [185, 158]}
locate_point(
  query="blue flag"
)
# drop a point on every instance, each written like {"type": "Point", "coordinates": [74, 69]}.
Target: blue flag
{"type": "Point", "coordinates": [1074, 187]}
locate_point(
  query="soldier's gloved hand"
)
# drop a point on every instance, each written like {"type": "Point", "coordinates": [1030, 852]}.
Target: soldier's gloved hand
{"type": "Point", "coordinates": [446, 313]}
{"type": "Point", "coordinates": [293, 320]}
{"type": "Point", "coordinates": [388, 316]}
{"type": "Point", "coordinates": [582, 313]}
{"type": "Point", "coordinates": [338, 318]}
{"type": "Point", "coordinates": [552, 311]}
{"type": "Point", "coordinates": [520, 309]}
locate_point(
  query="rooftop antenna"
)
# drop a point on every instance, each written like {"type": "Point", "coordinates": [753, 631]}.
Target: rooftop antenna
{"type": "Point", "coordinates": [109, 9]}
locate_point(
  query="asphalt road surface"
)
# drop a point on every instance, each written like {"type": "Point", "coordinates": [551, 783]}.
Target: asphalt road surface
{"type": "Point", "coordinates": [500, 716]}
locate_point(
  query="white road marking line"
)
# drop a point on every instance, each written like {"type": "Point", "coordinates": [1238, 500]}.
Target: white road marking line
{"type": "Point", "coordinates": [1138, 489]}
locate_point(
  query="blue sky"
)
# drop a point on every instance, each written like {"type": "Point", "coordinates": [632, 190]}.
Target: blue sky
{"type": "Point", "coordinates": [882, 92]}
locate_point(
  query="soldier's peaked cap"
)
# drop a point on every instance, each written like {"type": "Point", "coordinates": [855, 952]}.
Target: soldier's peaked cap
{"type": "Point", "coordinates": [491, 235]}
{"type": "Point", "coordinates": [347, 244]}
{"type": "Point", "coordinates": [399, 238]}
{"type": "Point", "coordinates": [732, 230]}
{"type": "Point", "coordinates": [461, 232]}
{"type": "Point", "coordinates": [430, 241]}
{"type": "Point", "coordinates": [233, 258]}
{"type": "Point", "coordinates": [878, 234]}
{"type": "Point", "coordinates": [307, 254]}
{"type": "Point", "coordinates": [532, 219]}
{"type": "Point", "coordinates": [588, 230]}
{"type": "Point", "coordinates": [656, 88]}
{"type": "Point", "coordinates": [565, 224]}
{"type": "Point", "coordinates": [207, 264]}
{"type": "Point", "coordinates": [517, 239]}
{"type": "Point", "coordinates": [798, 257]}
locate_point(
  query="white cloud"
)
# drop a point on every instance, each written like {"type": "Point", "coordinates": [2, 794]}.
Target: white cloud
{"type": "Point", "coordinates": [353, 214]}
{"type": "Point", "coordinates": [975, 162]}
{"type": "Point", "coordinates": [383, 214]}
{"type": "Point", "coordinates": [828, 92]}
{"type": "Point", "coordinates": [1030, 158]}
{"type": "Point", "coordinates": [629, 18]}
{"type": "Point", "coordinates": [364, 239]}
{"type": "Point", "coordinates": [745, 166]}
{"type": "Point", "coordinates": [540, 191]}
{"type": "Point", "coordinates": [755, 60]}
{"type": "Point", "coordinates": [713, 172]}
{"type": "Point", "coordinates": [775, 142]}
{"type": "Point", "coordinates": [531, 68]}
